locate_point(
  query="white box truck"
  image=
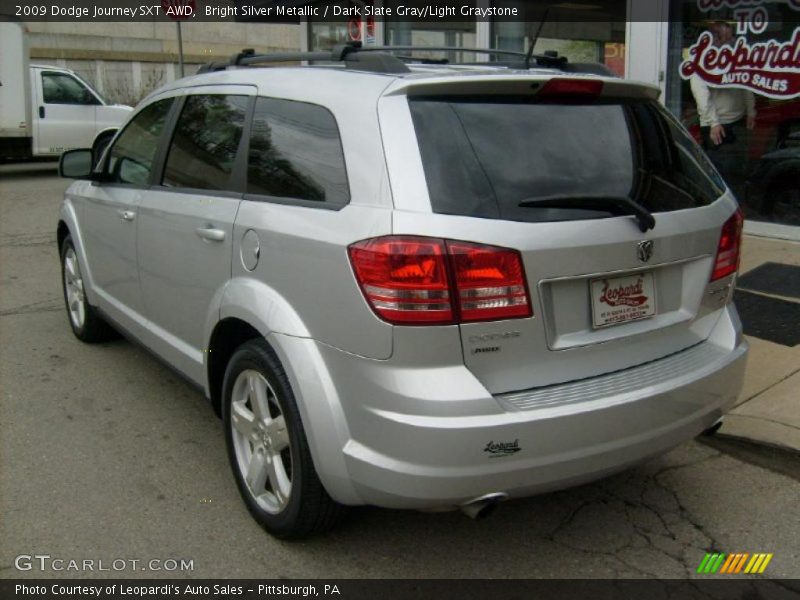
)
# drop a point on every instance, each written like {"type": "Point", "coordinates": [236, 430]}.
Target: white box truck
{"type": "Point", "coordinates": [46, 110]}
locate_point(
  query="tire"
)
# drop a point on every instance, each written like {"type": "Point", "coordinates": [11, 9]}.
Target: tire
{"type": "Point", "coordinates": [268, 449]}
{"type": "Point", "coordinates": [84, 319]}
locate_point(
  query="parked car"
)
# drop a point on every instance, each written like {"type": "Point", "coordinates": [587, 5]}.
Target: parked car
{"type": "Point", "coordinates": [46, 109]}
{"type": "Point", "coordinates": [411, 285]}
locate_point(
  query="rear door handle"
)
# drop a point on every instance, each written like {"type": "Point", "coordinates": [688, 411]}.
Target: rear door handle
{"type": "Point", "coordinates": [41, 112]}
{"type": "Point", "coordinates": [209, 233]}
{"type": "Point", "coordinates": [127, 215]}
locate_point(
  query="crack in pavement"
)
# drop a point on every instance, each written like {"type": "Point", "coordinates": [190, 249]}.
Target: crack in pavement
{"type": "Point", "coordinates": [650, 519]}
{"type": "Point", "coordinates": [766, 389]}
{"type": "Point", "coordinates": [34, 307]}
{"type": "Point", "coordinates": [766, 419]}
{"type": "Point", "coordinates": [684, 512]}
{"type": "Point", "coordinates": [26, 244]}
{"type": "Point", "coordinates": [16, 240]}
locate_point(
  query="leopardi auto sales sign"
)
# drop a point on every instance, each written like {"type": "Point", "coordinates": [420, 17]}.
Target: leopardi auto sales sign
{"type": "Point", "coordinates": [770, 68]}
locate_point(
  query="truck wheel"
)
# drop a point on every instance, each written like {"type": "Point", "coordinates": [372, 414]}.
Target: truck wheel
{"type": "Point", "coordinates": [87, 324]}
{"type": "Point", "coordinates": [268, 450]}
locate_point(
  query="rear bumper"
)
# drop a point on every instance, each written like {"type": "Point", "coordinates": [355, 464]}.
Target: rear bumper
{"type": "Point", "coordinates": [406, 452]}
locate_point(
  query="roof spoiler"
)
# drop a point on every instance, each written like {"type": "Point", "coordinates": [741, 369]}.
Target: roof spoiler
{"type": "Point", "coordinates": [516, 84]}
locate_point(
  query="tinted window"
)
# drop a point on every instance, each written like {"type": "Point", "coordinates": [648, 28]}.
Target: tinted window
{"type": "Point", "coordinates": [675, 173]}
{"type": "Point", "coordinates": [59, 88]}
{"type": "Point", "coordinates": [484, 156]}
{"type": "Point", "coordinates": [130, 159]}
{"type": "Point", "coordinates": [296, 152]}
{"type": "Point", "coordinates": [207, 136]}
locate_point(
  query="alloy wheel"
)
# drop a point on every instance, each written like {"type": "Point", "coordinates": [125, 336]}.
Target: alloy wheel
{"type": "Point", "coordinates": [73, 285]}
{"type": "Point", "coordinates": [261, 441]}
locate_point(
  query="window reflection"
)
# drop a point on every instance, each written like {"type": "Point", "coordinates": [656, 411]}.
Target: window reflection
{"type": "Point", "coordinates": [131, 157]}
{"type": "Point", "coordinates": [205, 142]}
{"type": "Point", "coordinates": [591, 32]}
{"type": "Point", "coordinates": [295, 152]}
{"type": "Point", "coordinates": [759, 156]}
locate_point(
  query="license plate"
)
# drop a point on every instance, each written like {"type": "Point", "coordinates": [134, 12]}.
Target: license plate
{"type": "Point", "coordinates": [618, 300]}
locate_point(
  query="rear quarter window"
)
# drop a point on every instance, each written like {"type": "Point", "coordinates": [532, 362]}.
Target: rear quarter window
{"type": "Point", "coordinates": [296, 154]}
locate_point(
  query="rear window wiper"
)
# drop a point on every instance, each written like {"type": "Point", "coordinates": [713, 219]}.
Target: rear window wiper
{"type": "Point", "coordinates": [621, 205]}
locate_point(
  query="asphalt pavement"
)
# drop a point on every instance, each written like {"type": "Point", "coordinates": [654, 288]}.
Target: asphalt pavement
{"type": "Point", "coordinates": [106, 455]}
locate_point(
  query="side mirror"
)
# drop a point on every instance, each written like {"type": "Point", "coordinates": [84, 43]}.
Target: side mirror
{"type": "Point", "coordinates": [76, 164]}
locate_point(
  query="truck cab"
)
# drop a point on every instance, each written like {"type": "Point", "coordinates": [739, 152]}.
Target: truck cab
{"type": "Point", "coordinates": [46, 109]}
{"type": "Point", "coordinates": [67, 111]}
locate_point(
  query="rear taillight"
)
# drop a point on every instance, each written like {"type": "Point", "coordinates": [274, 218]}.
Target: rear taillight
{"type": "Point", "coordinates": [490, 282]}
{"type": "Point", "coordinates": [411, 280]}
{"type": "Point", "coordinates": [729, 247]}
{"type": "Point", "coordinates": [404, 278]}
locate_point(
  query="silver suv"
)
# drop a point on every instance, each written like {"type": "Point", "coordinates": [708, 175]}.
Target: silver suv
{"type": "Point", "coordinates": [414, 285]}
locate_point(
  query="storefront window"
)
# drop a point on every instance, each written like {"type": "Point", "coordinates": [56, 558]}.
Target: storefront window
{"type": "Point", "coordinates": [582, 32]}
{"type": "Point", "coordinates": [324, 35]}
{"type": "Point", "coordinates": [433, 34]}
{"type": "Point", "coordinates": [421, 34]}
{"type": "Point", "coordinates": [734, 81]}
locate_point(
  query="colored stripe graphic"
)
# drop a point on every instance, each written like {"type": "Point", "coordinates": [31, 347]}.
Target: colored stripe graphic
{"type": "Point", "coordinates": [701, 568]}
{"type": "Point", "coordinates": [765, 563]}
{"type": "Point", "coordinates": [757, 558]}
{"type": "Point", "coordinates": [738, 562]}
{"type": "Point", "coordinates": [711, 563]}
{"type": "Point", "coordinates": [728, 563]}
{"type": "Point", "coordinates": [718, 564]}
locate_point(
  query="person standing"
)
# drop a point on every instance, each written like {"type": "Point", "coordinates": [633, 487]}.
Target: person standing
{"type": "Point", "coordinates": [726, 117]}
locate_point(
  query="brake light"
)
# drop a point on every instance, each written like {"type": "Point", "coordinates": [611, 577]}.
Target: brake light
{"type": "Point", "coordinates": [410, 280]}
{"type": "Point", "coordinates": [404, 279]}
{"type": "Point", "coordinates": [729, 247]}
{"type": "Point", "coordinates": [490, 282]}
{"type": "Point", "coordinates": [562, 86]}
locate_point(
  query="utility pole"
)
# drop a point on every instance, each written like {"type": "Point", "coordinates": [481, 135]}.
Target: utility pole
{"type": "Point", "coordinates": [180, 48]}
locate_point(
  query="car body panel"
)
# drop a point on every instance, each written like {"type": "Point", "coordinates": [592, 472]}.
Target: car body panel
{"type": "Point", "coordinates": [110, 240]}
{"type": "Point", "coordinates": [414, 445]}
{"type": "Point", "coordinates": [320, 299]}
{"type": "Point", "coordinates": [181, 273]}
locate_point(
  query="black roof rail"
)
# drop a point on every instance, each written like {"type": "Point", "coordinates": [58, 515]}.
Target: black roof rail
{"type": "Point", "coordinates": [380, 59]}
{"type": "Point", "coordinates": [442, 49]}
{"type": "Point", "coordinates": [550, 59]}
{"type": "Point", "coordinates": [349, 53]}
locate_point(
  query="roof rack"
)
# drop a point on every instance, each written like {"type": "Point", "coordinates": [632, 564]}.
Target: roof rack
{"type": "Point", "coordinates": [347, 53]}
{"type": "Point", "coordinates": [380, 59]}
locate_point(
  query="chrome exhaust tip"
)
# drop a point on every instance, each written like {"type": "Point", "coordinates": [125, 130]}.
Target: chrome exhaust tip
{"type": "Point", "coordinates": [713, 429]}
{"type": "Point", "coordinates": [482, 506]}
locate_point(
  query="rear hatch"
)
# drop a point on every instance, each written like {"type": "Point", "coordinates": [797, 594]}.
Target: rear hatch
{"type": "Point", "coordinates": [573, 176]}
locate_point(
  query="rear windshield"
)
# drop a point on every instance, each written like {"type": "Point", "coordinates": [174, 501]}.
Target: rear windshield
{"type": "Point", "coordinates": [484, 156]}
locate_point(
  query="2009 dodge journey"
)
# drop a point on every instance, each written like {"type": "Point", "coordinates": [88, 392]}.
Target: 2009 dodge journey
{"type": "Point", "coordinates": [414, 285]}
